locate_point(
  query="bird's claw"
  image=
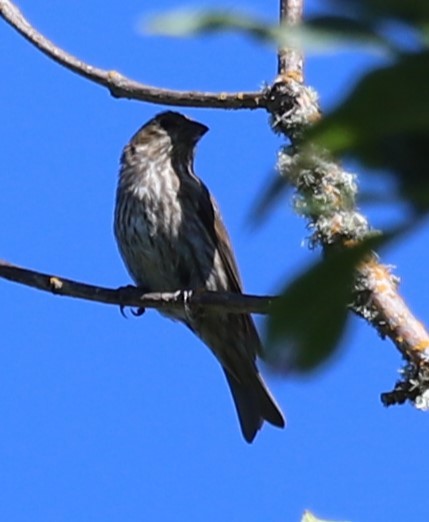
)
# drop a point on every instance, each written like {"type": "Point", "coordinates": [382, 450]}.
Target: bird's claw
{"type": "Point", "coordinates": [139, 312]}
{"type": "Point", "coordinates": [136, 313]}
{"type": "Point", "coordinates": [122, 310]}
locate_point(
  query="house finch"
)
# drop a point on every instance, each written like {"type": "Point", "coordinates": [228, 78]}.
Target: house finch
{"type": "Point", "coordinates": [171, 237]}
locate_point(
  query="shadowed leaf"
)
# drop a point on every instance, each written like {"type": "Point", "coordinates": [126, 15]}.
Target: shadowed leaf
{"type": "Point", "coordinates": [385, 124]}
{"type": "Point", "coordinates": [410, 11]}
{"type": "Point", "coordinates": [309, 319]}
{"type": "Point", "coordinates": [270, 195]}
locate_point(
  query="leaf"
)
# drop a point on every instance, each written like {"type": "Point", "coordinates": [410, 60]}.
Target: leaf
{"type": "Point", "coordinates": [410, 11]}
{"type": "Point", "coordinates": [309, 517]}
{"type": "Point", "coordinates": [187, 22]}
{"type": "Point", "coordinates": [343, 29]}
{"type": "Point", "coordinates": [316, 34]}
{"type": "Point", "coordinates": [309, 319]}
{"type": "Point", "coordinates": [270, 194]}
{"type": "Point", "coordinates": [384, 123]}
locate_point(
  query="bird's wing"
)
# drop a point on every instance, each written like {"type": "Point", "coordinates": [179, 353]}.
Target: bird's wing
{"type": "Point", "coordinates": [209, 215]}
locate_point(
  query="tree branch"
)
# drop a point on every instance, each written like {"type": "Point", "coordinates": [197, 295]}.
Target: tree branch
{"type": "Point", "coordinates": [121, 86]}
{"type": "Point", "coordinates": [326, 196]}
{"type": "Point", "coordinates": [385, 309]}
{"type": "Point", "coordinates": [132, 296]}
{"type": "Point", "coordinates": [290, 60]}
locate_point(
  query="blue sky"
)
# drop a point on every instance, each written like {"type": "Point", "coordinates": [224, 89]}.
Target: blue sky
{"type": "Point", "coordinates": [109, 419]}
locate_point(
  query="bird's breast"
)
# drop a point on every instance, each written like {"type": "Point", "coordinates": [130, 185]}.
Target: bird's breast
{"type": "Point", "coordinates": [148, 222]}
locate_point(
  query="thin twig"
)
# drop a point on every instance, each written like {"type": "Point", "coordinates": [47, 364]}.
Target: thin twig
{"type": "Point", "coordinates": [121, 86]}
{"type": "Point", "coordinates": [290, 60]}
{"type": "Point", "coordinates": [132, 296]}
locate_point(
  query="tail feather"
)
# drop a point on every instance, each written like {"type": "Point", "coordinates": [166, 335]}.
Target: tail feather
{"type": "Point", "coordinates": [254, 404]}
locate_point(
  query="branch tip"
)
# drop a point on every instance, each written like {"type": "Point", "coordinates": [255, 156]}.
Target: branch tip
{"type": "Point", "coordinates": [119, 85]}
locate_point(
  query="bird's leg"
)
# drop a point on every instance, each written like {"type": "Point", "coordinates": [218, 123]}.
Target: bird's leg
{"type": "Point", "coordinates": [192, 310]}
{"type": "Point", "coordinates": [187, 296]}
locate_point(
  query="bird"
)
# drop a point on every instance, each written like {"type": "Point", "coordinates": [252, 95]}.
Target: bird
{"type": "Point", "coordinates": [171, 237]}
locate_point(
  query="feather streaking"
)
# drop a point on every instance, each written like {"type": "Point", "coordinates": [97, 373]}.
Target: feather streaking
{"type": "Point", "coordinates": [171, 237]}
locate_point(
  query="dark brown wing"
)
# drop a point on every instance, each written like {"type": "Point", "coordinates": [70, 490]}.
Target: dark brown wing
{"type": "Point", "coordinates": [208, 213]}
{"type": "Point", "coordinates": [252, 399]}
{"type": "Point", "coordinates": [222, 241]}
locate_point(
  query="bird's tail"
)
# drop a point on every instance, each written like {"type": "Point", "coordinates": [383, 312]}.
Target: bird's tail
{"type": "Point", "coordinates": [254, 404]}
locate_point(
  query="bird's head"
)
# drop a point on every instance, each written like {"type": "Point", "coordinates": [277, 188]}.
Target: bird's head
{"type": "Point", "coordinates": [167, 131]}
{"type": "Point", "coordinates": [179, 127]}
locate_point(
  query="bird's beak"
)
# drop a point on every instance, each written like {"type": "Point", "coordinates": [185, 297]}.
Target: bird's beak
{"type": "Point", "coordinates": [197, 129]}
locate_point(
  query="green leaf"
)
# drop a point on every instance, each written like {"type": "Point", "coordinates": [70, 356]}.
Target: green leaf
{"type": "Point", "coordinates": [388, 100]}
{"type": "Point", "coordinates": [270, 194]}
{"type": "Point", "coordinates": [409, 11]}
{"type": "Point", "coordinates": [343, 29]}
{"type": "Point", "coordinates": [309, 517]}
{"type": "Point", "coordinates": [187, 22]}
{"type": "Point", "coordinates": [316, 35]}
{"type": "Point", "coordinates": [384, 123]}
{"type": "Point", "coordinates": [309, 319]}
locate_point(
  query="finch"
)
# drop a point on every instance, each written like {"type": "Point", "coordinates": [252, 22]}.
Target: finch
{"type": "Point", "coordinates": [171, 237]}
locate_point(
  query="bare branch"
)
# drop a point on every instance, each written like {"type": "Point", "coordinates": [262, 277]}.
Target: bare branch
{"type": "Point", "coordinates": [290, 60]}
{"type": "Point", "coordinates": [121, 86]}
{"type": "Point", "coordinates": [132, 296]}
{"type": "Point", "coordinates": [387, 311]}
